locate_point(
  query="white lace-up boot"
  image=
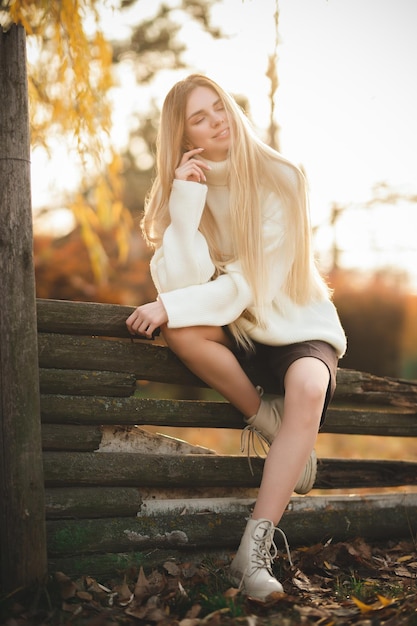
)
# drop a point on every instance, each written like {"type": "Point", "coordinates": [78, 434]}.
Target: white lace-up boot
{"type": "Point", "coordinates": [265, 426]}
{"type": "Point", "coordinates": [251, 569]}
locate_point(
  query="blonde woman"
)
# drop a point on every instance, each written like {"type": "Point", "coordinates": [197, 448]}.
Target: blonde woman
{"type": "Point", "coordinates": [228, 220]}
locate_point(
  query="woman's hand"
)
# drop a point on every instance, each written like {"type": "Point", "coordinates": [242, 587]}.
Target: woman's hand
{"type": "Point", "coordinates": [191, 168]}
{"type": "Point", "coordinates": [147, 318]}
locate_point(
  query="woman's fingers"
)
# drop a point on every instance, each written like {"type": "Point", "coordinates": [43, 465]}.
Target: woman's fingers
{"type": "Point", "coordinates": [191, 168]}
{"type": "Point", "coordinates": [147, 318]}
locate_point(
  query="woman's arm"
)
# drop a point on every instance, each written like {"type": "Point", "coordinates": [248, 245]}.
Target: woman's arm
{"type": "Point", "coordinates": [183, 258]}
{"type": "Point", "coordinates": [222, 300]}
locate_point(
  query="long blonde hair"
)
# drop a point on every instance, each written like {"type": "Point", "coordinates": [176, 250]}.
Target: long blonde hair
{"type": "Point", "coordinates": [253, 166]}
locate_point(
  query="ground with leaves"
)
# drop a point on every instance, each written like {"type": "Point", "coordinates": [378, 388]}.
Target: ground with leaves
{"type": "Point", "coordinates": [335, 584]}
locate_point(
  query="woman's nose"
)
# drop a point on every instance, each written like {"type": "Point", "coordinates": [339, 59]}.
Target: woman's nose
{"type": "Point", "coordinates": [216, 119]}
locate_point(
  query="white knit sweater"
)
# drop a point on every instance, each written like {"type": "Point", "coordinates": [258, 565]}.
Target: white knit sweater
{"type": "Point", "coordinates": [182, 271]}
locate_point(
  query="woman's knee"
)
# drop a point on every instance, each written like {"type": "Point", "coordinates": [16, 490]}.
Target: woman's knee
{"type": "Point", "coordinates": [306, 387]}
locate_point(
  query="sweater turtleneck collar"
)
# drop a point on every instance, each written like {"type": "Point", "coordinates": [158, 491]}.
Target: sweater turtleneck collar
{"type": "Point", "coordinates": [217, 176]}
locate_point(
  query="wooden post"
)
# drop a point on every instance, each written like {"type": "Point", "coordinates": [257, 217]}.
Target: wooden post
{"type": "Point", "coordinates": [22, 516]}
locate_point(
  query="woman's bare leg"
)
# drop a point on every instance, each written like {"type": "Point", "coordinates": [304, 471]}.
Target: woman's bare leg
{"type": "Point", "coordinates": [206, 351]}
{"type": "Point", "coordinates": [306, 384]}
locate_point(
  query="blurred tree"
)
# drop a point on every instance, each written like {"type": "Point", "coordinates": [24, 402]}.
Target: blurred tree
{"type": "Point", "coordinates": [272, 75]}
{"type": "Point", "coordinates": [154, 43]}
{"type": "Point", "coordinates": [409, 339]}
{"type": "Point", "coordinates": [70, 76]}
{"type": "Point", "coordinates": [372, 309]}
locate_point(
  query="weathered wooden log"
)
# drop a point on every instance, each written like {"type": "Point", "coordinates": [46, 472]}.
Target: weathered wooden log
{"type": "Point", "coordinates": [153, 470]}
{"type": "Point", "coordinates": [364, 388]}
{"type": "Point", "coordinates": [140, 411]}
{"type": "Point", "coordinates": [132, 439]}
{"type": "Point", "coordinates": [92, 502]}
{"type": "Point", "coordinates": [126, 469]}
{"type": "Point", "coordinates": [358, 473]}
{"type": "Point", "coordinates": [83, 318]}
{"type": "Point", "coordinates": [151, 539]}
{"type": "Point", "coordinates": [22, 528]}
{"type": "Point", "coordinates": [212, 414]}
{"type": "Point", "coordinates": [153, 362]}
{"type": "Point", "coordinates": [69, 537]}
{"type": "Point", "coordinates": [71, 437]}
{"type": "Point", "coordinates": [100, 502]}
{"type": "Point", "coordinates": [86, 382]}
{"type": "Point", "coordinates": [141, 358]}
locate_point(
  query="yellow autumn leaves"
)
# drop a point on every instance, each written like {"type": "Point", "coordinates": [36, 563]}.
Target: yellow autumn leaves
{"type": "Point", "coordinates": [69, 77]}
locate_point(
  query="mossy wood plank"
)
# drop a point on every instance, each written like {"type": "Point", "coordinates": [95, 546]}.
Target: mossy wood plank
{"type": "Point", "coordinates": [86, 382]}
{"type": "Point", "coordinates": [150, 540]}
{"type": "Point", "coordinates": [153, 470]}
{"type": "Point", "coordinates": [138, 411]}
{"type": "Point", "coordinates": [143, 359]}
{"type": "Point", "coordinates": [92, 502]}
{"type": "Point", "coordinates": [115, 438]}
{"type": "Point", "coordinates": [95, 319]}
{"type": "Point", "coordinates": [148, 470]}
{"type": "Point", "coordinates": [361, 387]}
{"type": "Point", "coordinates": [71, 437]}
{"type": "Point", "coordinates": [210, 414]}
{"type": "Point", "coordinates": [69, 537]}
{"type": "Point", "coordinates": [82, 318]}
{"type": "Point", "coordinates": [100, 502]}
{"type": "Point", "coordinates": [150, 361]}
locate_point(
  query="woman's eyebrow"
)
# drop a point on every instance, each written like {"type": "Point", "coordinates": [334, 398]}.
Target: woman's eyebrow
{"type": "Point", "coordinates": [200, 111]}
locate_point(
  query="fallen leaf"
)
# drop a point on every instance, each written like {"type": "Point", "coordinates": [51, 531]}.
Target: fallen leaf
{"type": "Point", "coordinates": [403, 572]}
{"type": "Point", "coordinates": [84, 595]}
{"type": "Point", "coordinates": [67, 587]}
{"type": "Point", "coordinates": [386, 601]}
{"type": "Point", "coordinates": [141, 587]}
{"type": "Point", "coordinates": [405, 557]}
{"type": "Point", "coordinates": [124, 593]}
{"type": "Point", "coordinates": [172, 568]}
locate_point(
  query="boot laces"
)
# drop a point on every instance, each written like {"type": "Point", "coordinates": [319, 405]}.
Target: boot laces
{"type": "Point", "coordinates": [248, 439]}
{"type": "Point", "coordinates": [251, 435]}
{"type": "Point", "coordinates": [266, 550]}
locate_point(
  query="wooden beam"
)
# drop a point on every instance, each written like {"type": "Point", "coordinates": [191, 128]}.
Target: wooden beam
{"type": "Point", "coordinates": [100, 502]}
{"type": "Point", "coordinates": [22, 528]}
{"type": "Point", "coordinates": [86, 382]}
{"type": "Point", "coordinates": [149, 360]}
{"type": "Point", "coordinates": [83, 318]}
{"type": "Point", "coordinates": [209, 470]}
{"type": "Point", "coordinates": [354, 420]}
{"type": "Point", "coordinates": [171, 530]}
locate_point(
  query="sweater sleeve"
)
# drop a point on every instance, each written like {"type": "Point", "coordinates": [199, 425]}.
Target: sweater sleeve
{"type": "Point", "coordinates": [222, 300]}
{"type": "Point", "coordinates": [215, 303]}
{"type": "Point", "coordinates": [183, 258]}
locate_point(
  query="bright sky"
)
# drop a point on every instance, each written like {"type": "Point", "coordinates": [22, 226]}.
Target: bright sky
{"type": "Point", "coordinates": [346, 104]}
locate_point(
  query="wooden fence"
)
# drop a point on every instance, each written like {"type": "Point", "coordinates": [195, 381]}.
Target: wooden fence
{"type": "Point", "coordinates": [117, 495]}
